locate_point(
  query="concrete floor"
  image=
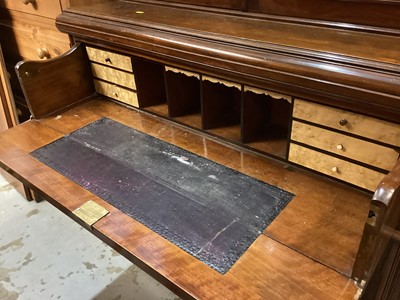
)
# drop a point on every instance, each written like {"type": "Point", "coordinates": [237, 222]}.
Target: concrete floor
{"type": "Point", "coordinates": [46, 255]}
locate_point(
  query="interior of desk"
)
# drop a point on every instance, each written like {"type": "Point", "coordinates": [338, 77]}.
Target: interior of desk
{"type": "Point", "coordinates": [314, 239]}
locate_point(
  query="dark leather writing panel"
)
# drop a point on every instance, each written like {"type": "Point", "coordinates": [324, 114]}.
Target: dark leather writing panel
{"type": "Point", "coordinates": [211, 211]}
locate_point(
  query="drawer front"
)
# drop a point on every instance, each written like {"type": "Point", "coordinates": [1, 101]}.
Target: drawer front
{"type": "Point", "coordinates": [110, 59]}
{"type": "Point", "coordinates": [116, 92]}
{"type": "Point", "coordinates": [340, 169]}
{"type": "Point", "coordinates": [27, 35]}
{"type": "Point", "coordinates": [368, 127]}
{"type": "Point", "coordinates": [366, 152]}
{"type": "Point", "coordinates": [115, 76]}
{"type": "Point", "coordinates": [45, 8]}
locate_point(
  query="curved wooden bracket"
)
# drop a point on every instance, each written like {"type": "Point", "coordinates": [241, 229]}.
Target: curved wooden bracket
{"type": "Point", "coordinates": [53, 84]}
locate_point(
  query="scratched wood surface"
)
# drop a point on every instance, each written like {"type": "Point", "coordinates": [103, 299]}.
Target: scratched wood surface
{"type": "Point", "coordinates": [307, 252]}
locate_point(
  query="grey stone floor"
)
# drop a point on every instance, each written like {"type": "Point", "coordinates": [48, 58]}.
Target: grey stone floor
{"type": "Point", "coordinates": [46, 255]}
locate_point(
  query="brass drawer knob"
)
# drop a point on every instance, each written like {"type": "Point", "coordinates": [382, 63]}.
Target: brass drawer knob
{"type": "Point", "coordinates": [335, 170]}
{"type": "Point", "coordinates": [339, 147]}
{"type": "Point", "coordinates": [108, 60]}
{"type": "Point", "coordinates": [26, 2]}
{"type": "Point", "coordinates": [115, 95]}
{"type": "Point", "coordinates": [343, 122]}
{"type": "Point", "coordinates": [43, 53]}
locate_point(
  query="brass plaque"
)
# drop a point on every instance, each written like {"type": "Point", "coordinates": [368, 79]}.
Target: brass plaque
{"type": "Point", "coordinates": [90, 212]}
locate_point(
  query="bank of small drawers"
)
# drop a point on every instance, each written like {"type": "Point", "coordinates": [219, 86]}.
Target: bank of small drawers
{"type": "Point", "coordinates": [342, 144]}
{"type": "Point", "coordinates": [113, 75]}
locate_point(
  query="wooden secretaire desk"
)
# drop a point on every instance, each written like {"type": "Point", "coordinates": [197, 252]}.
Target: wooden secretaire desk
{"type": "Point", "coordinates": [305, 101]}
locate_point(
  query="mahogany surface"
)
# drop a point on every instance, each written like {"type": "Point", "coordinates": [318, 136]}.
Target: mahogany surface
{"type": "Point", "coordinates": [357, 68]}
{"type": "Point", "coordinates": [307, 252]}
{"type": "Point", "coordinates": [68, 85]}
{"type": "Point", "coordinates": [382, 13]}
{"type": "Point", "coordinates": [252, 31]}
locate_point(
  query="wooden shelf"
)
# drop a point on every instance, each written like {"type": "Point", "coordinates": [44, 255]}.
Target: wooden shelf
{"type": "Point", "coordinates": [228, 132]}
{"type": "Point", "coordinates": [160, 109]}
{"type": "Point", "coordinates": [193, 120]}
{"type": "Point", "coordinates": [273, 142]}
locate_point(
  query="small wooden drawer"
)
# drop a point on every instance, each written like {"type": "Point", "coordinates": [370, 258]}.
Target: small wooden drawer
{"type": "Point", "coordinates": [44, 8]}
{"type": "Point", "coordinates": [345, 121]}
{"type": "Point", "coordinates": [116, 92]}
{"type": "Point", "coordinates": [110, 59]}
{"type": "Point", "coordinates": [363, 151]}
{"type": "Point", "coordinates": [340, 169]}
{"type": "Point", "coordinates": [115, 76]}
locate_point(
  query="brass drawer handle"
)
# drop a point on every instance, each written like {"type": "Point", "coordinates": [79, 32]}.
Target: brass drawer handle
{"type": "Point", "coordinates": [43, 53]}
{"type": "Point", "coordinates": [115, 95]}
{"type": "Point", "coordinates": [26, 2]}
{"type": "Point", "coordinates": [343, 122]}
{"type": "Point", "coordinates": [108, 60]}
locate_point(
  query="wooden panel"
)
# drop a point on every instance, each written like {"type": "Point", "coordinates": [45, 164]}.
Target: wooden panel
{"type": "Point", "coordinates": [149, 76]}
{"type": "Point", "coordinates": [375, 265]}
{"type": "Point", "coordinates": [3, 118]}
{"type": "Point", "coordinates": [221, 103]}
{"type": "Point", "coordinates": [45, 8]}
{"type": "Point", "coordinates": [340, 169]}
{"type": "Point", "coordinates": [371, 128]}
{"type": "Point", "coordinates": [366, 152]}
{"type": "Point", "coordinates": [347, 74]}
{"type": "Point", "coordinates": [116, 92]}
{"type": "Point", "coordinates": [118, 77]}
{"type": "Point", "coordinates": [269, 269]}
{"type": "Point", "coordinates": [297, 226]}
{"type": "Point", "coordinates": [7, 106]}
{"type": "Point", "coordinates": [54, 84]}
{"type": "Point", "coordinates": [68, 3]}
{"type": "Point", "coordinates": [385, 282]}
{"type": "Point", "coordinates": [229, 4]}
{"type": "Point", "coordinates": [110, 59]}
{"type": "Point", "coordinates": [183, 92]}
{"type": "Point", "coordinates": [385, 12]}
{"type": "Point", "coordinates": [23, 111]}
{"type": "Point", "coordinates": [23, 35]}
{"type": "Point", "coordinates": [265, 120]}
{"type": "Point", "coordinates": [252, 31]}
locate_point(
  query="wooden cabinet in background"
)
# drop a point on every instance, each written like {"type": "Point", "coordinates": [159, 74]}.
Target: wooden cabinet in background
{"type": "Point", "coordinates": [28, 32]}
{"type": "Point", "coordinates": [8, 117]}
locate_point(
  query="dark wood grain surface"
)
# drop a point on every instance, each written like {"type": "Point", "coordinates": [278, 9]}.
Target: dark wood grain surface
{"type": "Point", "coordinates": [380, 13]}
{"type": "Point", "coordinates": [54, 84]}
{"type": "Point", "coordinates": [249, 31]}
{"type": "Point", "coordinates": [307, 252]}
{"type": "Point", "coordinates": [356, 69]}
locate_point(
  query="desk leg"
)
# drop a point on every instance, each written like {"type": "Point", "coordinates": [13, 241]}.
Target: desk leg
{"type": "Point", "coordinates": [28, 193]}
